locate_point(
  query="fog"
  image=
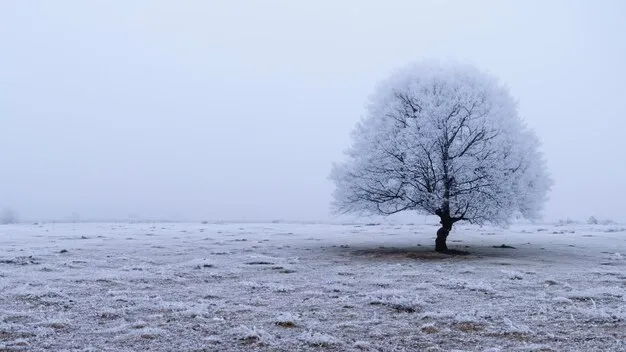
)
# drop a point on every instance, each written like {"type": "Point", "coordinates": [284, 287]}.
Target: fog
{"type": "Point", "coordinates": [235, 110]}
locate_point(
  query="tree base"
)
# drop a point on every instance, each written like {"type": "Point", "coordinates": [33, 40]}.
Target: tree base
{"type": "Point", "coordinates": [454, 252]}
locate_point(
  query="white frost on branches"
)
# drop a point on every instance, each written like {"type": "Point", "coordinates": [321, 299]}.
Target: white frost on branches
{"type": "Point", "coordinates": [442, 137]}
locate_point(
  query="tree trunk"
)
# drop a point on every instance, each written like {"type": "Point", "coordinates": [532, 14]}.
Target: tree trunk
{"type": "Point", "coordinates": [442, 235]}
{"type": "Point", "coordinates": [440, 242]}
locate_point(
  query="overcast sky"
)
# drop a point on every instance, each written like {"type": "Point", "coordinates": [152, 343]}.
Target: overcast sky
{"type": "Point", "coordinates": [236, 109]}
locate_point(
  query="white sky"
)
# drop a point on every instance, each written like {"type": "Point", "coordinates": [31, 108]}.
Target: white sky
{"type": "Point", "coordinates": [236, 109]}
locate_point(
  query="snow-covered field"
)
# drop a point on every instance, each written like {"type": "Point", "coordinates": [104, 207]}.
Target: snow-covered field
{"type": "Point", "coordinates": [282, 287]}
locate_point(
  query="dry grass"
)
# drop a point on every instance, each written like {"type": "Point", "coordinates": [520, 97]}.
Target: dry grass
{"type": "Point", "coordinates": [286, 324]}
{"type": "Point", "coordinates": [517, 336]}
{"type": "Point", "coordinates": [430, 329]}
{"type": "Point", "coordinates": [469, 327]}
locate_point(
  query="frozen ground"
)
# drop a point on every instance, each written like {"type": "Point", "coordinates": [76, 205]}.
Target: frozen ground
{"type": "Point", "coordinates": [280, 287]}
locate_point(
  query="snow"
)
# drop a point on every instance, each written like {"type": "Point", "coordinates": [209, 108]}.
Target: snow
{"type": "Point", "coordinates": [287, 287]}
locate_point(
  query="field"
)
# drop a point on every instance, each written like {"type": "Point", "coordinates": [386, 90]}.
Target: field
{"type": "Point", "coordinates": [295, 287]}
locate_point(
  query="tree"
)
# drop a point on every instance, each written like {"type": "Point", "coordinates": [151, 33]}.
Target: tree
{"type": "Point", "coordinates": [446, 140]}
{"type": "Point", "coordinates": [74, 217]}
{"type": "Point", "coordinates": [8, 216]}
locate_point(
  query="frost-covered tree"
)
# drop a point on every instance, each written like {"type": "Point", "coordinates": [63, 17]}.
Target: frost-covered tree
{"type": "Point", "coordinates": [442, 139]}
{"type": "Point", "coordinates": [8, 216]}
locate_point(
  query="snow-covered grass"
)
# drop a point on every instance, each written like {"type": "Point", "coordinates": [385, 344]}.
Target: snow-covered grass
{"type": "Point", "coordinates": [282, 287]}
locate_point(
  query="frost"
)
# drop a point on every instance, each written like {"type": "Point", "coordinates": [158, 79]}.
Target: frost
{"type": "Point", "coordinates": [480, 287]}
{"type": "Point", "coordinates": [597, 293]}
{"type": "Point", "coordinates": [429, 328]}
{"type": "Point", "coordinates": [94, 297]}
{"type": "Point", "coordinates": [563, 300]}
{"type": "Point", "coordinates": [511, 327]}
{"type": "Point", "coordinates": [317, 339]}
{"type": "Point", "coordinates": [363, 346]}
{"type": "Point", "coordinates": [254, 335]}
{"type": "Point", "coordinates": [513, 275]}
{"type": "Point", "coordinates": [287, 320]}
{"type": "Point", "coordinates": [395, 300]}
{"type": "Point", "coordinates": [442, 139]}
